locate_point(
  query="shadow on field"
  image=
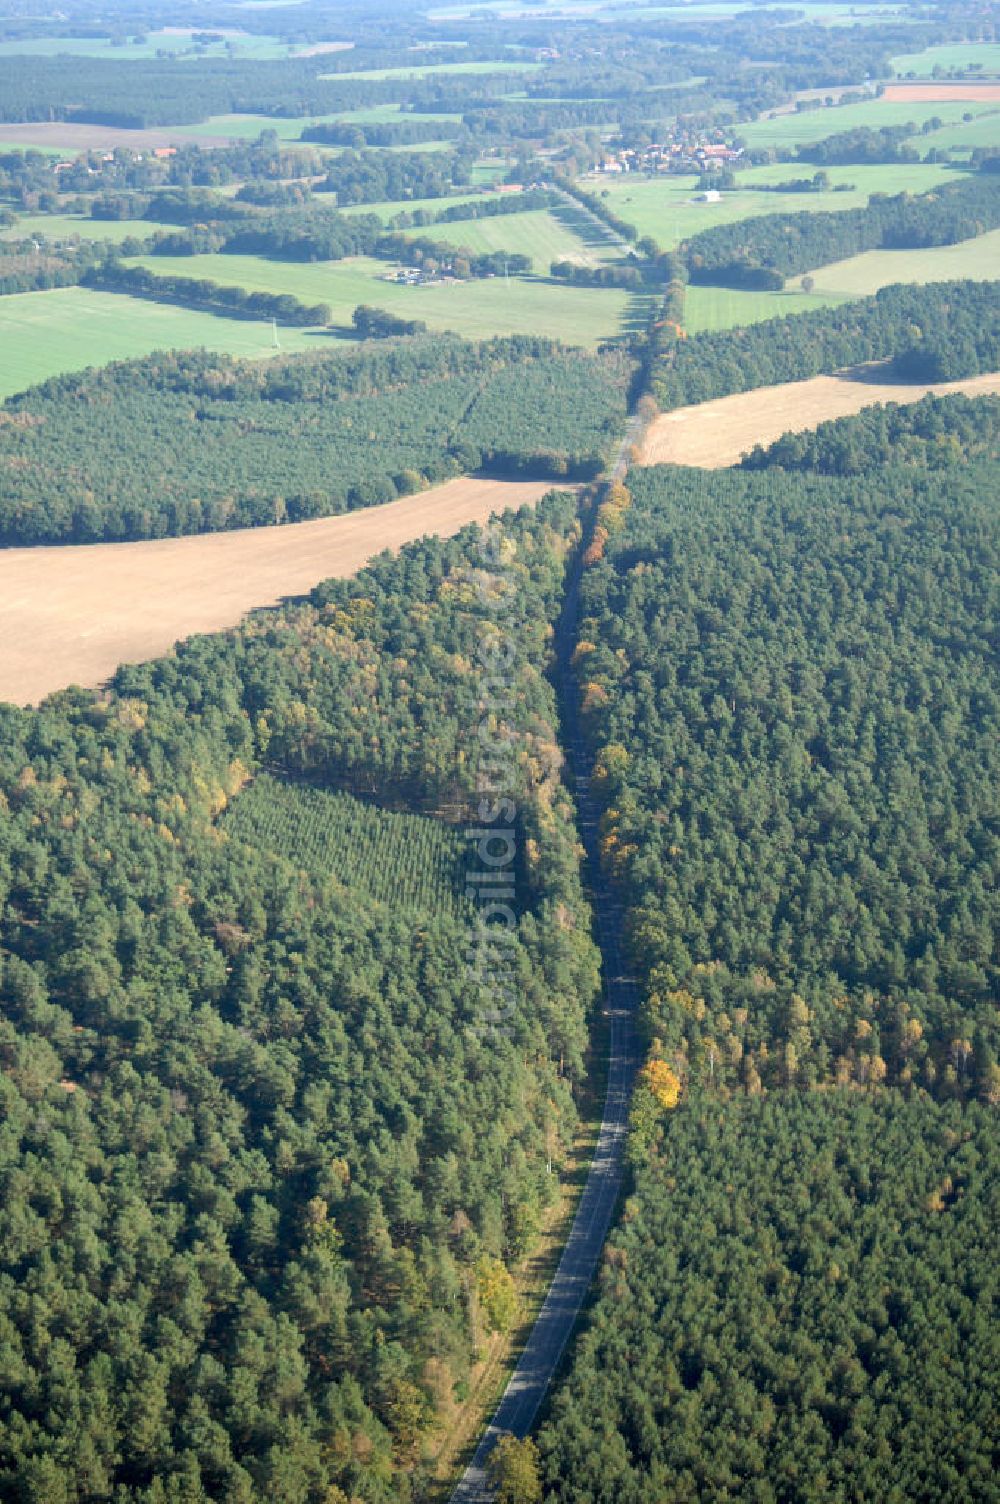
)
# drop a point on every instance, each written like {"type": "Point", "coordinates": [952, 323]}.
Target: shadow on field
{"type": "Point", "coordinates": [638, 312]}
{"type": "Point", "coordinates": [584, 226]}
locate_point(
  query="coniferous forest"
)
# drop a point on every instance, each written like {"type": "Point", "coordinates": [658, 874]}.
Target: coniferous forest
{"type": "Point", "coordinates": [789, 677]}
{"type": "Point", "coordinates": [241, 444]}
{"type": "Point", "coordinates": [518, 1024]}
{"type": "Point", "coordinates": [265, 1161]}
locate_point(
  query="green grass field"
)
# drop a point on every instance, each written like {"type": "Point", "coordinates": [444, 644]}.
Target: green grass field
{"type": "Point", "coordinates": [663, 207]}
{"type": "Point", "coordinates": [544, 236]}
{"type": "Point", "coordinates": [708, 308]}
{"type": "Point", "coordinates": [958, 55]}
{"type": "Point", "coordinates": [967, 135]}
{"type": "Point", "coordinates": [488, 172]}
{"type": "Point", "coordinates": [68, 226]}
{"type": "Point", "coordinates": [578, 315]}
{"type": "Point", "coordinates": [43, 334]}
{"type": "Point", "coordinates": [802, 127]}
{"type": "Point", "coordinates": [860, 275]}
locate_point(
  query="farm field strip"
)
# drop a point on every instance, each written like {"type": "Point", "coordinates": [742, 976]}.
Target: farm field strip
{"type": "Point", "coordinates": [170, 39]}
{"type": "Point", "coordinates": [426, 70]}
{"type": "Point", "coordinates": [59, 136]}
{"type": "Point", "coordinates": [712, 435]}
{"type": "Point", "coordinates": [71, 615]}
{"type": "Point", "coordinates": [978, 91]}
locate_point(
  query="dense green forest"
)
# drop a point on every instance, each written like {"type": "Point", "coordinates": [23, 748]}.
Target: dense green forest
{"type": "Point", "coordinates": [762, 252]}
{"type": "Point", "coordinates": [939, 332]}
{"type": "Point", "coordinates": [237, 444]}
{"type": "Point", "coordinates": [796, 1305]}
{"type": "Point", "coordinates": [366, 177]}
{"type": "Point", "coordinates": [790, 683]}
{"type": "Point", "coordinates": [265, 1160]}
{"type": "Point", "coordinates": [283, 1121]}
{"type": "Point", "coordinates": [790, 679]}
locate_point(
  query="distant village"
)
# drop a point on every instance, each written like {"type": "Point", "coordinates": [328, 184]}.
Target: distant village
{"type": "Point", "coordinates": [86, 160]}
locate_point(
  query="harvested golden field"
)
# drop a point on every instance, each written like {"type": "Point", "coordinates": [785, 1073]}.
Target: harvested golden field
{"type": "Point", "coordinates": [71, 615]}
{"type": "Point", "coordinates": [718, 433]}
{"type": "Point", "coordinates": [927, 93]}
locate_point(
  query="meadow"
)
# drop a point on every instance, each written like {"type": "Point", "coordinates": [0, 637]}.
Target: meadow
{"type": "Point", "coordinates": [858, 276]}
{"type": "Point", "coordinates": [412, 861]}
{"type": "Point", "coordinates": [523, 305]}
{"type": "Point", "coordinates": [44, 334]}
{"type": "Point", "coordinates": [985, 56]}
{"type": "Point", "coordinates": [802, 127]}
{"type": "Point", "coordinates": [665, 208]}
{"type": "Point", "coordinates": [968, 135]}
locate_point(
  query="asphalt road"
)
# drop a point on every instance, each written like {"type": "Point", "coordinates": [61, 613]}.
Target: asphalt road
{"type": "Point", "coordinates": [567, 1292]}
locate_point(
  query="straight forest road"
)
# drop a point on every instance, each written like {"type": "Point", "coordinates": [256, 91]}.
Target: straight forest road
{"type": "Point", "coordinates": [554, 1324]}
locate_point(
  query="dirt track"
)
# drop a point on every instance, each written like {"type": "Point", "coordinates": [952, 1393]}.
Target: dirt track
{"type": "Point", "coordinates": [718, 433]}
{"type": "Point", "coordinates": [71, 615]}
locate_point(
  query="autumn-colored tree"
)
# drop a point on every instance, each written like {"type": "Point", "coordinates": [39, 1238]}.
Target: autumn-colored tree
{"type": "Point", "coordinates": [663, 1082]}
{"type": "Point", "coordinates": [497, 1295]}
{"type": "Point", "coordinates": [514, 1471]}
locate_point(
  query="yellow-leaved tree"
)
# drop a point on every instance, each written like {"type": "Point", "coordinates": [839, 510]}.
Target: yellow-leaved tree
{"type": "Point", "coordinates": [663, 1082]}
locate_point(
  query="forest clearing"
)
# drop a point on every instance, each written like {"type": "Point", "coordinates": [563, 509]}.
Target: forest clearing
{"type": "Point", "coordinates": [70, 615]}
{"type": "Point", "coordinates": [712, 435]}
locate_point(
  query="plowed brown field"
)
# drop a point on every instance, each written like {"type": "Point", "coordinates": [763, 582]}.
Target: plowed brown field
{"type": "Point", "coordinates": [71, 615]}
{"type": "Point", "coordinates": [714, 434]}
